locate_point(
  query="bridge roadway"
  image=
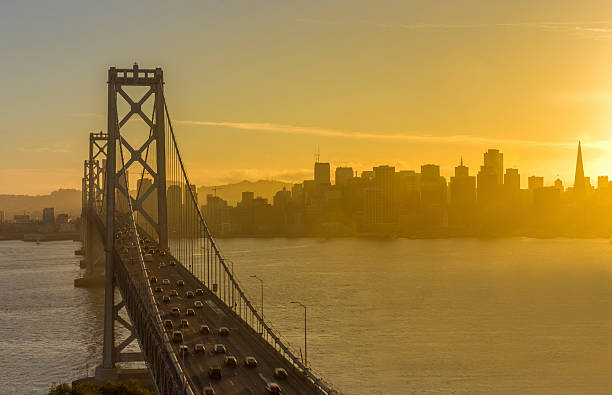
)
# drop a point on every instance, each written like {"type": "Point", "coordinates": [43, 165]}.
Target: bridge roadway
{"type": "Point", "coordinates": [241, 342]}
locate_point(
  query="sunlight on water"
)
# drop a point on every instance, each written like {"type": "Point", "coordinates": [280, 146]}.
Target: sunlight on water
{"type": "Point", "coordinates": [384, 316]}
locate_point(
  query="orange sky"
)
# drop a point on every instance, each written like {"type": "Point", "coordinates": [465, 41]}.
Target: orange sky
{"type": "Point", "coordinates": [253, 89]}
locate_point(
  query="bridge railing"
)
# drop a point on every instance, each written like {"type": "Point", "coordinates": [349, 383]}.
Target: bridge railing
{"type": "Point", "coordinates": [192, 244]}
{"type": "Point", "coordinates": [141, 283]}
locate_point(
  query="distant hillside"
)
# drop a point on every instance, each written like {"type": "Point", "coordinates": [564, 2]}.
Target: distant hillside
{"type": "Point", "coordinates": [233, 192]}
{"type": "Point", "coordinates": [69, 200]}
{"type": "Point", "coordinates": [64, 201]}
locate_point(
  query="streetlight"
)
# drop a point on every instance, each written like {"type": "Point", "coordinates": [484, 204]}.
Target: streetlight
{"type": "Point", "coordinates": [262, 304]}
{"type": "Point", "coordinates": [305, 334]}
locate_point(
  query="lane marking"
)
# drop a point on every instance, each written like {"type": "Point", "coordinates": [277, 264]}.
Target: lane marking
{"type": "Point", "coordinates": [215, 308]}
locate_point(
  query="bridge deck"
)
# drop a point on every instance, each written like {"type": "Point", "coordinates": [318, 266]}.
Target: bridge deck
{"type": "Point", "coordinates": [241, 342]}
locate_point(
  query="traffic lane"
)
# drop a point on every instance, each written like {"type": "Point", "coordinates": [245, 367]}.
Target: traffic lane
{"type": "Point", "coordinates": [242, 343]}
{"type": "Point", "coordinates": [237, 344]}
{"type": "Point", "coordinates": [197, 364]}
{"type": "Point", "coordinates": [232, 382]}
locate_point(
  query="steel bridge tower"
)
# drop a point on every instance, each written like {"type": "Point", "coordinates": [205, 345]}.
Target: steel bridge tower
{"type": "Point", "coordinates": [116, 188]}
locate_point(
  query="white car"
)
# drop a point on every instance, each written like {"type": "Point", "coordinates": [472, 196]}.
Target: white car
{"type": "Point", "coordinates": [197, 304]}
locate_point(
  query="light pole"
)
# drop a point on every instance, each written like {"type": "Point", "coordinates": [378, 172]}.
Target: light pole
{"type": "Point", "coordinates": [305, 334]}
{"type": "Point", "coordinates": [262, 304]}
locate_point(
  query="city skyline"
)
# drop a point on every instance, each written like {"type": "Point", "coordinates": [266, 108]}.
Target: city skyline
{"type": "Point", "coordinates": [403, 84]}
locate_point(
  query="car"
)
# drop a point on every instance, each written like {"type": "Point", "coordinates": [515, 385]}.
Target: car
{"type": "Point", "coordinates": [165, 281]}
{"type": "Point", "coordinates": [190, 312]}
{"type": "Point", "coordinates": [183, 350]}
{"type": "Point", "coordinates": [199, 348]}
{"type": "Point", "coordinates": [180, 283]}
{"type": "Point", "coordinates": [175, 311]}
{"type": "Point", "coordinates": [219, 349]}
{"type": "Point", "coordinates": [159, 289]}
{"type": "Point", "coordinates": [231, 361]}
{"type": "Point", "coordinates": [204, 329]}
{"type": "Point", "coordinates": [148, 258]}
{"type": "Point", "coordinates": [250, 362]}
{"type": "Point", "coordinates": [168, 324]}
{"type": "Point", "coordinates": [190, 294]}
{"type": "Point", "coordinates": [273, 388]}
{"type": "Point", "coordinates": [177, 337]}
{"type": "Point", "coordinates": [214, 372]}
{"type": "Point", "coordinates": [172, 263]}
{"type": "Point", "coordinates": [166, 299]}
{"type": "Point", "coordinates": [224, 331]}
{"type": "Point", "coordinates": [208, 391]}
{"type": "Point", "coordinates": [280, 373]}
{"type": "Point", "coordinates": [153, 279]}
{"type": "Point", "coordinates": [184, 324]}
{"type": "Point", "coordinates": [173, 293]}
{"type": "Point", "coordinates": [199, 291]}
{"type": "Point", "coordinates": [197, 304]}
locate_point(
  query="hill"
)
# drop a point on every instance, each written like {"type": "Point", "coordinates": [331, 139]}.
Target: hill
{"type": "Point", "coordinates": [233, 192]}
{"type": "Point", "coordinates": [63, 200]}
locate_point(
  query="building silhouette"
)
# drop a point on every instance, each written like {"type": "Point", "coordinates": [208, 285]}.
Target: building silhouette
{"type": "Point", "coordinates": [321, 173]}
{"type": "Point", "coordinates": [579, 179]}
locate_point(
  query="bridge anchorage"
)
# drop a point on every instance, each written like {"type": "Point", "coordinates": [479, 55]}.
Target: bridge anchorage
{"type": "Point", "coordinates": [146, 240]}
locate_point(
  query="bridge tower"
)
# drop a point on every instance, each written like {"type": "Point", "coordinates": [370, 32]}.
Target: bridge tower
{"type": "Point", "coordinates": [93, 200]}
{"type": "Point", "coordinates": [117, 190]}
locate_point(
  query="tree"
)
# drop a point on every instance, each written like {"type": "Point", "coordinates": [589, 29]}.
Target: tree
{"type": "Point", "coordinates": [130, 387]}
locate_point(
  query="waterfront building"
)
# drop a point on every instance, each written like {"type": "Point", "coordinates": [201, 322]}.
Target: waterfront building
{"type": "Point", "coordinates": [48, 216]}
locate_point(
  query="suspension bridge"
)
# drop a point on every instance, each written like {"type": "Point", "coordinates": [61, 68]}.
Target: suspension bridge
{"type": "Point", "coordinates": [145, 235]}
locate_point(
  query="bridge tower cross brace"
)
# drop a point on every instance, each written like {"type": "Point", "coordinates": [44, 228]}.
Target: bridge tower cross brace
{"type": "Point", "coordinates": [114, 184]}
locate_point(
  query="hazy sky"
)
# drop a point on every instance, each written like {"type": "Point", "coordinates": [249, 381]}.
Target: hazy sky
{"type": "Point", "coordinates": [254, 86]}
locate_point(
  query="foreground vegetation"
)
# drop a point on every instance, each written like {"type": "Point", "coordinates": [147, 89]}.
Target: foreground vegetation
{"type": "Point", "coordinates": [131, 387]}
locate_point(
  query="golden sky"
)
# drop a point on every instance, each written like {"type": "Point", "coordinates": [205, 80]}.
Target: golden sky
{"type": "Point", "coordinates": [255, 87]}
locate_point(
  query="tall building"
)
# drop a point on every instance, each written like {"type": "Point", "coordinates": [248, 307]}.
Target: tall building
{"type": "Point", "coordinates": [602, 182]}
{"type": "Point", "coordinates": [495, 160]}
{"type": "Point", "coordinates": [321, 173]}
{"type": "Point", "coordinates": [535, 182]}
{"type": "Point", "coordinates": [384, 182]}
{"type": "Point", "coordinates": [247, 198]}
{"type": "Point", "coordinates": [48, 216]}
{"type": "Point", "coordinates": [579, 180]}
{"type": "Point", "coordinates": [512, 184]}
{"type": "Point", "coordinates": [433, 186]}
{"type": "Point", "coordinates": [343, 175]}
{"type": "Point", "coordinates": [462, 187]}
{"type": "Point", "coordinates": [490, 178]}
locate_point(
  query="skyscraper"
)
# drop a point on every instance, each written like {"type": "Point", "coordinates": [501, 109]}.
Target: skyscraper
{"type": "Point", "coordinates": [343, 175]}
{"type": "Point", "coordinates": [579, 181]}
{"type": "Point", "coordinates": [462, 187]}
{"type": "Point", "coordinates": [495, 161]}
{"type": "Point", "coordinates": [321, 173]}
{"type": "Point", "coordinates": [535, 182]}
{"type": "Point", "coordinates": [490, 178]}
{"type": "Point", "coordinates": [512, 184]}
